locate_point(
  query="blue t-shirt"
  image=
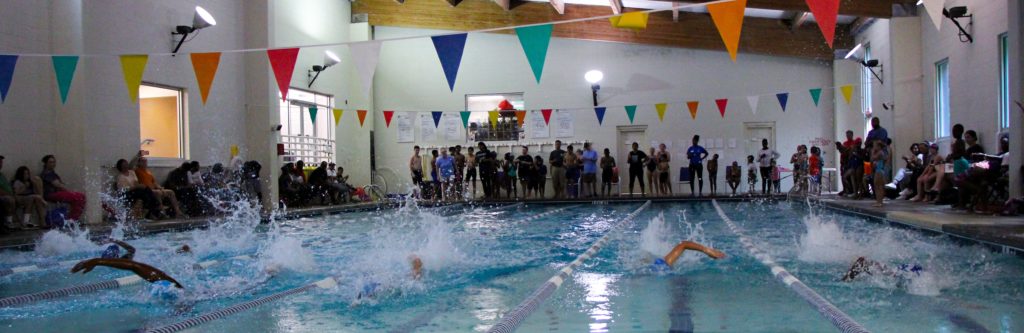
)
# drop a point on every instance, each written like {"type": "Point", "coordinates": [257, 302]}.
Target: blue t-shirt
{"type": "Point", "coordinates": [877, 134]}
{"type": "Point", "coordinates": [694, 154]}
{"type": "Point", "coordinates": [447, 166]}
{"type": "Point", "coordinates": [590, 161]}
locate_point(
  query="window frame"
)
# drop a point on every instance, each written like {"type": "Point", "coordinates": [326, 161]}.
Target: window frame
{"type": "Point", "coordinates": [324, 113]}
{"type": "Point", "coordinates": [470, 137]}
{"type": "Point", "coordinates": [943, 118]}
{"type": "Point", "coordinates": [183, 137]}
{"type": "Point", "coordinates": [1003, 116]}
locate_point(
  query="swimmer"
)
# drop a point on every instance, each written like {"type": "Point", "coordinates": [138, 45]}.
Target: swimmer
{"type": "Point", "coordinates": [147, 272]}
{"type": "Point", "coordinates": [664, 264]}
{"type": "Point", "coordinates": [114, 250]}
{"type": "Point", "coordinates": [371, 288]}
{"type": "Point", "coordinates": [862, 265]}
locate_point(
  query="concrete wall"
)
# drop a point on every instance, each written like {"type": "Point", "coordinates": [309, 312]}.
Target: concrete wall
{"type": "Point", "coordinates": [409, 77]}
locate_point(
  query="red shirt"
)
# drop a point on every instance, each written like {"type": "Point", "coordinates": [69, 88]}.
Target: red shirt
{"type": "Point", "coordinates": [845, 155]}
{"type": "Point", "coordinates": [815, 165]}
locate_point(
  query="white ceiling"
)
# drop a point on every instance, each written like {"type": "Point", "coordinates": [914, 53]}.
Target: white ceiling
{"type": "Point", "coordinates": [665, 5]}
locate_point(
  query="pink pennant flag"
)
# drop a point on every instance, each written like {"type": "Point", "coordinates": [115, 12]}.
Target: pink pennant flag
{"type": "Point", "coordinates": [282, 61]}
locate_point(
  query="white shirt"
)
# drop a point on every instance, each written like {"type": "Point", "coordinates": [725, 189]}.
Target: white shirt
{"type": "Point", "coordinates": [764, 158]}
{"type": "Point", "coordinates": [195, 178]}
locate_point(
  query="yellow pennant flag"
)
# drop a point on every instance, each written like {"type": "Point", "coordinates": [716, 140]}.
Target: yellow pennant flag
{"type": "Point", "coordinates": [234, 151]}
{"type": "Point", "coordinates": [132, 66]}
{"type": "Point", "coordinates": [847, 91]}
{"type": "Point", "coordinates": [337, 116]}
{"type": "Point", "coordinates": [205, 65]}
{"type": "Point", "coordinates": [661, 107]}
{"type": "Point", "coordinates": [728, 18]}
{"type": "Point", "coordinates": [631, 20]}
{"type": "Point", "coordinates": [494, 117]}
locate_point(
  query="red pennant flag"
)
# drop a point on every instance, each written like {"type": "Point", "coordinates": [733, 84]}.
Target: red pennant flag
{"type": "Point", "coordinates": [721, 105]}
{"type": "Point", "coordinates": [547, 116]}
{"type": "Point", "coordinates": [693, 108]}
{"type": "Point", "coordinates": [825, 13]}
{"type": "Point", "coordinates": [362, 116]}
{"type": "Point", "coordinates": [520, 115]}
{"type": "Point", "coordinates": [282, 61]}
{"type": "Point", "coordinates": [387, 117]}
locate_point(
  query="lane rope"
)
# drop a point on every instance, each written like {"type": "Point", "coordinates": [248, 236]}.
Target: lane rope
{"type": "Point", "coordinates": [514, 318]}
{"type": "Point", "coordinates": [837, 317]}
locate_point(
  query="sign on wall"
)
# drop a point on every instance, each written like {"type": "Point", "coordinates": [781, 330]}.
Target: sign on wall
{"type": "Point", "coordinates": [538, 127]}
{"type": "Point", "coordinates": [403, 123]}
{"type": "Point", "coordinates": [428, 132]}
{"type": "Point", "coordinates": [564, 124]}
{"type": "Point", "coordinates": [452, 126]}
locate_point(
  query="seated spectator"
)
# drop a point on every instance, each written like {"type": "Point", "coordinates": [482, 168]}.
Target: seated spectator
{"type": "Point", "coordinates": [302, 187]}
{"type": "Point", "coordinates": [250, 180]}
{"type": "Point", "coordinates": [188, 195]}
{"type": "Point", "coordinates": [340, 182]}
{"type": "Point", "coordinates": [7, 200]}
{"type": "Point", "coordinates": [319, 184]}
{"type": "Point", "coordinates": [195, 176]}
{"type": "Point", "coordinates": [131, 190]}
{"type": "Point", "coordinates": [944, 180]}
{"type": "Point", "coordinates": [733, 174]}
{"type": "Point", "coordinates": [288, 189]}
{"type": "Point", "coordinates": [29, 193]}
{"type": "Point", "coordinates": [216, 179]}
{"type": "Point", "coordinates": [901, 181]}
{"type": "Point", "coordinates": [55, 190]}
{"type": "Point", "coordinates": [986, 172]}
{"type": "Point", "coordinates": [974, 150]}
{"type": "Point", "coordinates": [141, 165]}
{"type": "Point", "coordinates": [934, 168]}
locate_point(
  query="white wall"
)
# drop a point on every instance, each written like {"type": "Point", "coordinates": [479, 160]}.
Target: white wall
{"type": "Point", "coordinates": [409, 77]}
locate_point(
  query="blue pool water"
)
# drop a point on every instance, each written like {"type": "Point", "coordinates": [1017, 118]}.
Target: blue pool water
{"type": "Point", "coordinates": [481, 262]}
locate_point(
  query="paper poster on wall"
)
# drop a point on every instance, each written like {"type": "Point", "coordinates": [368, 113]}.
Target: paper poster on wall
{"type": "Point", "coordinates": [732, 143]}
{"type": "Point", "coordinates": [719, 143]}
{"type": "Point", "coordinates": [538, 127]}
{"type": "Point", "coordinates": [564, 124]}
{"type": "Point", "coordinates": [452, 124]}
{"type": "Point", "coordinates": [427, 130]}
{"type": "Point", "coordinates": [403, 123]}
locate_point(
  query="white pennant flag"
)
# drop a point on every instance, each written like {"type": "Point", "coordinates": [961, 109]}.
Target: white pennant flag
{"type": "Point", "coordinates": [365, 56]}
{"type": "Point", "coordinates": [934, 9]}
{"type": "Point", "coordinates": [753, 103]}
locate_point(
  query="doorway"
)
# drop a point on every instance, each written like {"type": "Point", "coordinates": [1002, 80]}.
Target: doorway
{"type": "Point", "coordinates": [753, 133]}
{"type": "Point", "coordinates": [626, 136]}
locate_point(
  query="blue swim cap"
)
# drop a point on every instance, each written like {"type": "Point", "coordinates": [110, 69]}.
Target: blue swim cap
{"type": "Point", "coordinates": [164, 290]}
{"type": "Point", "coordinates": [369, 290]}
{"type": "Point", "coordinates": [112, 251]}
{"type": "Point", "coordinates": [660, 265]}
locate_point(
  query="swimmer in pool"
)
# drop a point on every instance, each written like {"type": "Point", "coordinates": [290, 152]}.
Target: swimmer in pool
{"type": "Point", "coordinates": [664, 264]}
{"type": "Point", "coordinates": [114, 250]}
{"type": "Point", "coordinates": [863, 265]}
{"type": "Point", "coordinates": [146, 272]}
{"type": "Point", "coordinates": [370, 289]}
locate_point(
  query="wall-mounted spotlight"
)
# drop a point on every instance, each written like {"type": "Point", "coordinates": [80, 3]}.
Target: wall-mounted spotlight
{"type": "Point", "coordinates": [871, 65]}
{"type": "Point", "coordinates": [956, 13]}
{"type": "Point", "coordinates": [201, 19]}
{"type": "Point", "coordinates": [330, 59]}
{"type": "Point", "coordinates": [594, 77]}
{"type": "Point", "coordinates": [275, 128]}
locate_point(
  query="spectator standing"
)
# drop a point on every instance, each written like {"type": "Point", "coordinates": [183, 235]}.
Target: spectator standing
{"type": "Point", "coordinates": [485, 162]}
{"type": "Point", "coordinates": [416, 167]}
{"type": "Point", "coordinates": [733, 174]}
{"type": "Point", "coordinates": [541, 175]}
{"type": "Point", "coordinates": [696, 154]}
{"type": "Point", "coordinates": [713, 174]}
{"type": "Point", "coordinates": [652, 171]}
{"type": "Point", "coordinates": [636, 160]}
{"type": "Point", "coordinates": [752, 174]}
{"type": "Point", "coordinates": [814, 165]}
{"type": "Point", "coordinates": [607, 172]}
{"type": "Point", "coordinates": [525, 171]}
{"type": "Point", "coordinates": [664, 178]}
{"type": "Point", "coordinates": [589, 159]}
{"type": "Point", "coordinates": [557, 160]}
{"type": "Point", "coordinates": [844, 155]}
{"type": "Point", "coordinates": [471, 171]}
{"type": "Point", "coordinates": [764, 159]}
{"type": "Point", "coordinates": [572, 173]}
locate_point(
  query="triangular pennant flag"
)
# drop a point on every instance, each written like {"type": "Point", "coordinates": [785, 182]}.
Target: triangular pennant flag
{"type": "Point", "coordinates": [825, 13]}
{"type": "Point", "coordinates": [132, 66]}
{"type": "Point", "coordinates": [816, 95]}
{"type": "Point", "coordinates": [547, 115]}
{"type": "Point", "coordinates": [693, 108]}
{"type": "Point", "coordinates": [205, 65]}
{"type": "Point", "coordinates": [64, 68]}
{"type": "Point", "coordinates": [465, 118]}
{"type": "Point", "coordinates": [535, 41]}
{"type": "Point", "coordinates": [449, 50]}
{"type": "Point", "coordinates": [783, 98]}
{"type": "Point", "coordinates": [493, 116]}
{"type": "Point", "coordinates": [722, 103]}
{"type": "Point", "coordinates": [7, 64]}
{"type": "Point", "coordinates": [362, 116]}
{"type": "Point", "coordinates": [437, 117]}
{"type": "Point", "coordinates": [661, 107]}
{"type": "Point", "coordinates": [728, 18]}
{"type": "Point", "coordinates": [520, 117]}
{"type": "Point", "coordinates": [847, 91]}
{"type": "Point", "coordinates": [365, 56]}
{"type": "Point", "coordinates": [600, 115]}
{"type": "Point", "coordinates": [312, 114]}
{"type": "Point", "coordinates": [337, 116]}
{"type": "Point", "coordinates": [752, 100]}
{"type": "Point", "coordinates": [631, 112]}
{"type": "Point", "coordinates": [387, 117]}
{"type": "Point", "coordinates": [631, 20]}
{"type": "Point", "coordinates": [934, 9]}
{"type": "Point", "coordinates": [282, 61]}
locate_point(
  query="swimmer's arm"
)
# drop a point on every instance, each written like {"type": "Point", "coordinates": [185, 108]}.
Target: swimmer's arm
{"type": "Point", "coordinates": [146, 272]}
{"type": "Point", "coordinates": [130, 249]}
{"type": "Point", "coordinates": [676, 252]}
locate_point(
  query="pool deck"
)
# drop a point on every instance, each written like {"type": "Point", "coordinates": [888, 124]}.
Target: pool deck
{"type": "Point", "coordinates": [1002, 234]}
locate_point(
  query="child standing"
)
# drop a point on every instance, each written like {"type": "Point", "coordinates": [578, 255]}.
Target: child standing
{"type": "Point", "coordinates": [713, 173]}
{"type": "Point", "coordinates": [776, 176]}
{"type": "Point", "coordinates": [607, 172]}
{"type": "Point", "coordinates": [879, 158]}
{"type": "Point", "coordinates": [752, 173]}
{"type": "Point", "coordinates": [541, 176]}
{"type": "Point", "coordinates": [814, 170]}
{"type": "Point", "coordinates": [733, 174]}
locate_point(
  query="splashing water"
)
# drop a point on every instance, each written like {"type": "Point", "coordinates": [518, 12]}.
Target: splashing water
{"type": "Point", "coordinates": [58, 243]}
{"type": "Point", "coordinates": [825, 242]}
{"type": "Point", "coordinates": [287, 253]}
{"type": "Point", "coordinates": [654, 237]}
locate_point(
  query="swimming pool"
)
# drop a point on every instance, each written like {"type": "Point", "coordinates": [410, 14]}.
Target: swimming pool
{"type": "Point", "coordinates": [481, 262]}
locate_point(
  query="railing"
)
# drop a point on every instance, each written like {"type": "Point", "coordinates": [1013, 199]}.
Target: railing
{"type": "Point", "coordinates": [311, 150]}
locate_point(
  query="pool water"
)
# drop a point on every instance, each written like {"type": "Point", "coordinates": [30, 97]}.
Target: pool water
{"type": "Point", "coordinates": [481, 262]}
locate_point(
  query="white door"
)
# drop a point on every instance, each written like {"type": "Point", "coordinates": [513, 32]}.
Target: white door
{"type": "Point", "coordinates": [627, 136]}
{"type": "Point", "coordinates": [753, 134]}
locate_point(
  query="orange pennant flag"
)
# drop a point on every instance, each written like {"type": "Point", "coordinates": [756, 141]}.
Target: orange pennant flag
{"type": "Point", "coordinates": [728, 18]}
{"type": "Point", "coordinates": [693, 108]}
{"type": "Point", "coordinates": [362, 116]}
{"type": "Point", "coordinates": [520, 115]}
{"type": "Point", "coordinates": [205, 65]}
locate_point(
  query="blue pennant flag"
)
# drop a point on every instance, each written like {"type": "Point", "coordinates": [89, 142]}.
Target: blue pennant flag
{"type": "Point", "coordinates": [449, 50]}
{"type": "Point", "coordinates": [437, 117]}
{"type": "Point", "coordinates": [7, 63]}
{"type": "Point", "coordinates": [600, 115]}
{"type": "Point", "coordinates": [783, 98]}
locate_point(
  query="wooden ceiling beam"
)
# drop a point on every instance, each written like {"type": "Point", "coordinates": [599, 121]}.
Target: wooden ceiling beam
{"type": "Point", "coordinates": [504, 4]}
{"type": "Point", "coordinates": [693, 30]}
{"type": "Point", "coordinates": [869, 8]}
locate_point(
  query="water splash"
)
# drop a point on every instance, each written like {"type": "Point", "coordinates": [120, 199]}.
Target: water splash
{"type": "Point", "coordinates": [286, 253]}
{"type": "Point", "coordinates": [56, 243]}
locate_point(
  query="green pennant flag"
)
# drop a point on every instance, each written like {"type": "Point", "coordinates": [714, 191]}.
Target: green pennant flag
{"type": "Point", "coordinates": [312, 114]}
{"type": "Point", "coordinates": [535, 42]}
{"type": "Point", "coordinates": [816, 95]}
{"type": "Point", "coordinates": [465, 118]}
{"type": "Point", "coordinates": [64, 67]}
{"type": "Point", "coordinates": [631, 112]}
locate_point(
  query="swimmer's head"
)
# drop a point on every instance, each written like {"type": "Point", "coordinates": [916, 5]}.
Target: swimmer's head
{"type": "Point", "coordinates": [112, 251]}
{"type": "Point", "coordinates": [417, 266]}
{"type": "Point", "coordinates": [184, 249]}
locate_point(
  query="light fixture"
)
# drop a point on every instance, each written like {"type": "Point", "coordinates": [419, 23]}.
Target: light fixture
{"type": "Point", "coordinates": [201, 19]}
{"type": "Point", "coordinates": [871, 65]}
{"type": "Point", "coordinates": [854, 51]}
{"type": "Point", "coordinates": [330, 59]}
{"type": "Point", "coordinates": [594, 76]}
{"type": "Point", "coordinates": [955, 13]}
{"type": "Point", "coordinates": [920, 2]}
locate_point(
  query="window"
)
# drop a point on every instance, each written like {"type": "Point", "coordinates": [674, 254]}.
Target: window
{"type": "Point", "coordinates": [865, 83]}
{"type": "Point", "coordinates": [161, 121]}
{"type": "Point", "coordinates": [507, 128]}
{"type": "Point", "coordinates": [303, 139]}
{"type": "Point", "coordinates": [1004, 82]}
{"type": "Point", "coordinates": [942, 98]}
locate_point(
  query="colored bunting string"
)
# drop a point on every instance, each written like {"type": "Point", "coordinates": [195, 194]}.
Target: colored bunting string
{"type": "Point", "coordinates": [387, 117]}
{"type": "Point", "coordinates": [132, 66]}
{"type": "Point", "coordinates": [205, 66]}
{"type": "Point", "coordinates": [7, 65]}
